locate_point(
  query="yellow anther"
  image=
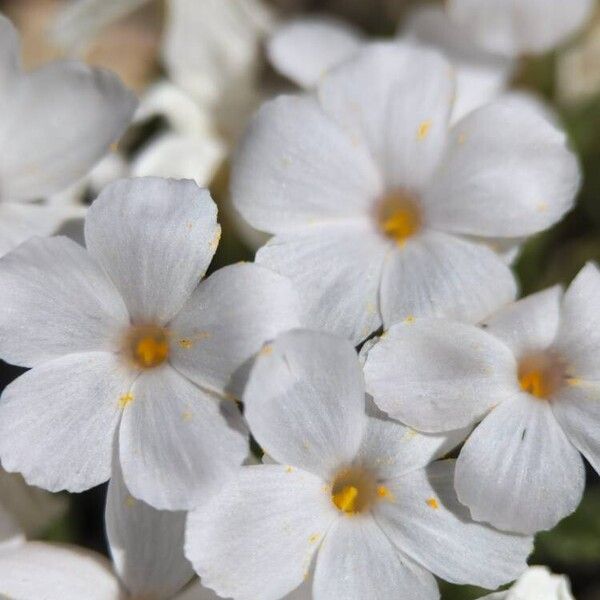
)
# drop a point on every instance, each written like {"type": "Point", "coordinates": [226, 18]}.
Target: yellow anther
{"type": "Point", "coordinates": [346, 499]}
{"type": "Point", "coordinates": [533, 383]}
{"type": "Point", "coordinates": [432, 503]}
{"type": "Point", "coordinates": [399, 217]}
{"type": "Point", "coordinates": [384, 493]}
{"type": "Point", "coordinates": [147, 345]}
{"type": "Point", "coordinates": [125, 399]}
{"type": "Point", "coordinates": [185, 343]}
{"type": "Point", "coordinates": [424, 129]}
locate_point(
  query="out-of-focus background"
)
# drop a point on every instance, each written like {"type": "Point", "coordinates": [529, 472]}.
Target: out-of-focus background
{"type": "Point", "coordinates": [198, 86]}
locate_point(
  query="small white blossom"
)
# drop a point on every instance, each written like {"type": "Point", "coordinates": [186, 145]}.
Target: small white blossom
{"type": "Point", "coordinates": [532, 378]}
{"type": "Point", "coordinates": [352, 496]}
{"type": "Point", "coordinates": [122, 339]}
{"type": "Point", "coordinates": [380, 209]}
{"type": "Point", "coordinates": [537, 583]}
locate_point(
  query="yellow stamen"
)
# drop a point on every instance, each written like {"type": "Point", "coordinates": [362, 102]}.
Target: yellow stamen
{"type": "Point", "coordinates": [125, 399]}
{"type": "Point", "coordinates": [423, 131]}
{"type": "Point", "coordinates": [147, 346]}
{"type": "Point", "coordinates": [533, 383]}
{"type": "Point", "coordinates": [542, 374]}
{"type": "Point", "coordinates": [432, 503]}
{"type": "Point", "coordinates": [346, 498]}
{"type": "Point", "coordinates": [399, 217]}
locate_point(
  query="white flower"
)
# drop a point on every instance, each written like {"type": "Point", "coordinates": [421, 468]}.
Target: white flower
{"type": "Point", "coordinates": [122, 339]}
{"type": "Point", "coordinates": [510, 27]}
{"type": "Point", "coordinates": [375, 200]}
{"type": "Point", "coordinates": [56, 122]}
{"type": "Point", "coordinates": [356, 493]}
{"type": "Point", "coordinates": [537, 583]}
{"type": "Point", "coordinates": [533, 376]}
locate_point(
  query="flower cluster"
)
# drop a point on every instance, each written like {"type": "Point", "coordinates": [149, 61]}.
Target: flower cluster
{"type": "Point", "coordinates": [411, 419]}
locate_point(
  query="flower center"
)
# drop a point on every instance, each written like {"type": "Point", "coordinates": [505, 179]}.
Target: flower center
{"type": "Point", "coordinates": [354, 490]}
{"type": "Point", "coordinates": [541, 374]}
{"type": "Point", "coordinates": [147, 345]}
{"type": "Point", "coordinates": [398, 216]}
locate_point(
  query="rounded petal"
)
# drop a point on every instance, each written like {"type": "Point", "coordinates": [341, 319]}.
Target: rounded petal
{"type": "Point", "coordinates": [357, 561]}
{"type": "Point", "coordinates": [578, 338]}
{"type": "Point", "coordinates": [336, 268]}
{"type": "Point", "coordinates": [444, 276]}
{"type": "Point", "coordinates": [518, 471]}
{"type": "Point", "coordinates": [538, 583]}
{"type": "Point", "coordinates": [428, 523]}
{"type": "Point", "coordinates": [507, 172]}
{"type": "Point", "coordinates": [511, 28]}
{"type": "Point", "coordinates": [178, 443]}
{"type": "Point", "coordinates": [397, 99]}
{"type": "Point", "coordinates": [266, 524]}
{"type": "Point", "coordinates": [304, 49]}
{"type": "Point", "coordinates": [305, 401]}
{"type": "Point", "coordinates": [146, 544]}
{"type": "Point", "coordinates": [530, 324]}
{"type": "Point", "coordinates": [56, 300]}
{"type": "Point", "coordinates": [73, 114]}
{"type": "Point", "coordinates": [438, 375]}
{"type": "Point", "coordinates": [57, 572]}
{"type": "Point", "coordinates": [295, 167]}
{"type": "Point", "coordinates": [227, 320]}
{"type": "Point", "coordinates": [57, 421]}
{"type": "Point", "coordinates": [577, 409]}
{"type": "Point", "coordinates": [155, 238]}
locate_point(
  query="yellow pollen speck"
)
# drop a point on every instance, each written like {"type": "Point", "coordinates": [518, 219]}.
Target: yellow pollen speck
{"type": "Point", "coordinates": [125, 399]}
{"type": "Point", "coordinates": [424, 129]}
{"type": "Point", "coordinates": [384, 493]}
{"type": "Point", "coordinates": [187, 416]}
{"type": "Point", "coordinates": [346, 498]}
{"type": "Point", "coordinates": [214, 243]}
{"type": "Point", "coordinates": [130, 501]}
{"type": "Point", "coordinates": [432, 503]}
{"type": "Point", "coordinates": [185, 343]}
{"type": "Point", "coordinates": [314, 538]}
{"type": "Point", "coordinates": [266, 350]}
{"type": "Point", "coordinates": [409, 320]}
{"type": "Point", "coordinates": [289, 469]}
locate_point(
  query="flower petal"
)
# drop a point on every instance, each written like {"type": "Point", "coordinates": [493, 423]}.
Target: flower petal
{"type": "Point", "coordinates": [305, 401]}
{"type": "Point", "coordinates": [357, 561]}
{"type": "Point", "coordinates": [507, 173]}
{"type": "Point", "coordinates": [578, 339]}
{"type": "Point", "coordinates": [295, 167]}
{"type": "Point", "coordinates": [155, 238]}
{"type": "Point", "coordinates": [56, 300]}
{"type": "Point", "coordinates": [397, 99]}
{"type": "Point", "coordinates": [227, 320]}
{"type": "Point", "coordinates": [530, 324]}
{"type": "Point", "coordinates": [53, 572]}
{"type": "Point", "coordinates": [304, 49]}
{"type": "Point", "coordinates": [336, 268]}
{"type": "Point", "coordinates": [441, 275]}
{"type": "Point", "coordinates": [509, 28]}
{"type": "Point", "coordinates": [438, 375]}
{"type": "Point", "coordinates": [518, 471]}
{"type": "Point", "coordinates": [177, 443]}
{"type": "Point", "coordinates": [268, 522]}
{"type": "Point", "coordinates": [57, 421]}
{"type": "Point", "coordinates": [10, 56]}
{"type": "Point", "coordinates": [146, 544]}
{"type": "Point", "coordinates": [427, 522]}
{"type": "Point", "coordinates": [73, 114]}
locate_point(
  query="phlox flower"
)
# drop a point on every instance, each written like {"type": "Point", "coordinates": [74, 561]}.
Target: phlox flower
{"type": "Point", "coordinates": [55, 123]}
{"type": "Point", "coordinates": [380, 209]}
{"type": "Point", "coordinates": [530, 376]}
{"type": "Point", "coordinates": [357, 495]}
{"type": "Point", "coordinates": [123, 342]}
{"type": "Point", "coordinates": [537, 583]}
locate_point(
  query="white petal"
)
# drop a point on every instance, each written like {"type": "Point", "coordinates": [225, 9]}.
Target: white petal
{"type": "Point", "coordinates": [530, 324]}
{"type": "Point", "coordinates": [393, 449]}
{"type": "Point", "coordinates": [577, 409]}
{"type": "Point", "coordinates": [305, 401]}
{"type": "Point", "coordinates": [296, 167]}
{"type": "Point", "coordinates": [336, 268]}
{"type": "Point", "coordinates": [178, 443]}
{"type": "Point", "coordinates": [396, 98]}
{"type": "Point", "coordinates": [426, 521]}
{"type": "Point", "coordinates": [507, 172]}
{"type": "Point", "coordinates": [34, 509]}
{"type": "Point", "coordinates": [57, 421]}
{"type": "Point", "coordinates": [537, 583]}
{"type": "Point", "coordinates": [357, 561]}
{"type": "Point", "coordinates": [53, 572]}
{"type": "Point", "coordinates": [146, 544]}
{"type": "Point", "coordinates": [155, 238]}
{"type": "Point", "coordinates": [518, 471]}
{"type": "Point", "coordinates": [256, 539]}
{"type": "Point", "coordinates": [55, 300]}
{"type": "Point", "coordinates": [72, 115]}
{"type": "Point", "coordinates": [304, 49]}
{"type": "Point", "coordinates": [480, 75]}
{"type": "Point", "coordinates": [10, 56]}
{"type": "Point", "coordinates": [508, 27]}
{"type": "Point", "coordinates": [578, 339]}
{"type": "Point", "coordinates": [438, 375]}
{"type": "Point", "coordinates": [442, 275]}
{"type": "Point", "coordinates": [227, 320]}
